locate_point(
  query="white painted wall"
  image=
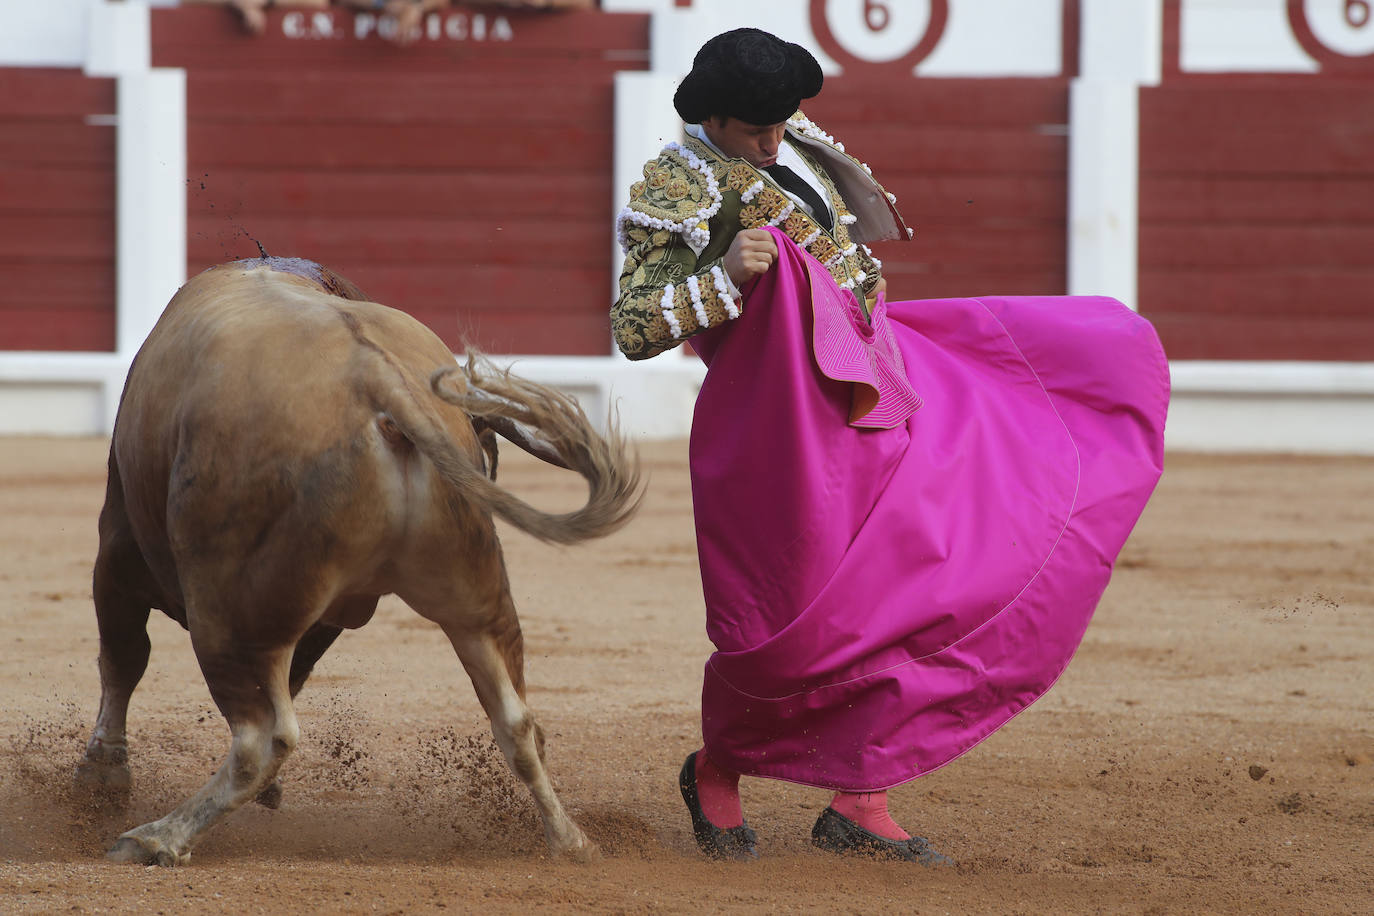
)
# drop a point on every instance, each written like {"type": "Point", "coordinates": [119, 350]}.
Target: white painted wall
{"type": "Point", "coordinates": [1323, 408]}
{"type": "Point", "coordinates": [47, 33]}
{"type": "Point", "coordinates": [995, 38]}
{"type": "Point", "coordinates": [1223, 36]}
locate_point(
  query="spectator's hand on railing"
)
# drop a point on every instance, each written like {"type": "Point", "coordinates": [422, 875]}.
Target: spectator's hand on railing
{"type": "Point", "coordinates": [253, 13]}
{"type": "Point", "coordinates": [408, 14]}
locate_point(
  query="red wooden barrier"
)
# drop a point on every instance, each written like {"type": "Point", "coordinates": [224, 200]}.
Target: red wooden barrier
{"type": "Point", "coordinates": [1257, 217]}
{"type": "Point", "coordinates": [57, 222]}
{"type": "Point", "coordinates": [464, 177]}
{"type": "Point", "coordinates": [979, 167]}
{"type": "Point", "coordinates": [1257, 209]}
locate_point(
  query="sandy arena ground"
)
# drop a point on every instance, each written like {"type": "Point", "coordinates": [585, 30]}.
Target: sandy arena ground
{"type": "Point", "coordinates": [1208, 751]}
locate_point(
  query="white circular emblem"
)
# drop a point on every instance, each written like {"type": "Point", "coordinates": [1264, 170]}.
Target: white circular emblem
{"type": "Point", "coordinates": [878, 30]}
{"type": "Point", "coordinates": [1344, 26]}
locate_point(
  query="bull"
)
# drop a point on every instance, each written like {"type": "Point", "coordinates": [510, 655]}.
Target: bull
{"type": "Point", "coordinates": [284, 454]}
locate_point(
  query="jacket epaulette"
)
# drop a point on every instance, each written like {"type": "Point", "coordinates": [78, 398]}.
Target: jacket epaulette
{"type": "Point", "coordinates": [875, 206]}
{"type": "Point", "coordinates": [679, 192]}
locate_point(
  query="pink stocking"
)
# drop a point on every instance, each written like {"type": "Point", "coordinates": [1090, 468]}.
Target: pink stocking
{"type": "Point", "coordinates": [718, 791]}
{"type": "Point", "coordinates": [869, 811]}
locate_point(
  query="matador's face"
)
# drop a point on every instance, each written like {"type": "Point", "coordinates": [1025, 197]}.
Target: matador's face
{"type": "Point", "coordinates": [755, 144]}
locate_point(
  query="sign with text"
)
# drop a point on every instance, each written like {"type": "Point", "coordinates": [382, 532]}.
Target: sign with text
{"type": "Point", "coordinates": [454, 25]}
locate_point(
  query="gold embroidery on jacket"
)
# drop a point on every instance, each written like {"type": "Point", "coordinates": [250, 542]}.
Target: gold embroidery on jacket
{"type": "Point", "coordinates": [835, 251]}
{"type": "Point", "coordinates": [675, 200]}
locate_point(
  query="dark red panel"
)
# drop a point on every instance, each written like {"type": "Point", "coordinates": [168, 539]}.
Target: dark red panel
{"type": "Point", "coordinates": [403, 239]}
{"type": "Point", "coordinates": [573, 300]}
{"type": "Point", "coordinates": [1299, 293]}
{"type": "Point", "coordinates": [459, 97]}
{"type": "Point", "coordinates": [454, 177]}
{"type": "Point", "coordinates": [1229, 246]}
{"type": "Point", "coordinates": [969, 102]}
{"type": "Point", "coordinates": [892, 150]}
{"type": "Point", "coordinates": [1234, 106]}
{"type": "Point", "coordinates": [546, 195]}
{"type": "Point", "coordinates": [90, 328]}
{"type": "Point", "coordinates": [1256, 129]}
{"type": "Point", "coordinates": [521, 332]}
{"type": "Point", "coordinates": [374, 145]}
{"type": "Point", "coordinates": [37, 187]}
{"type": "Point", "coordinates": [57, 223]}
{"type": "Point", "coordinates": [1263, 200]}
{"type": "Point", "coordinates": [43, 283]}
{"type": "Point", "coordinates": [43, 93]}
{"type": "Point", "coordinates": [927, 200]}
{"type": "Point", "coordinates": [992, 250]}
{"type": "Point", "coordinates": [979, 168]}
{"type": "Point", "coordinates": [1263, 150]}
{"type": "Point", "coordinates": [941, 281]}
{"type": "Point", "coordinates": [61, 143]}
{"type": "Point", "coordinates": [59, 237]}
{"type": "Point", "coordinates": [428, 287]}
{"type": "Point", "coordinates": [1257, 217]}
{"type": "Point", "coordinates": [1257, 337]}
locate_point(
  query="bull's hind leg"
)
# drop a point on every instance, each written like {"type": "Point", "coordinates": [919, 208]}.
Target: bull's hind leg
{"type": "Point", "coordinates": [122, 589]}
{"type": "Point", "coordinates": [486, 636]}
{"type": "Point", "coordinates": [495, 665]}
{"type": "Point", "coordinates": [308, 651]}
{"type": "Point", "coordinates": [253, 694]}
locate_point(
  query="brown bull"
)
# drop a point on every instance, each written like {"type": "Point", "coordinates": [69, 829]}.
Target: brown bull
{"type": "Point", "coordinates": [285, 453]}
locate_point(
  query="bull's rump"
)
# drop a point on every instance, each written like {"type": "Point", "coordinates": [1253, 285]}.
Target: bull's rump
{"type": "Point", "coordinates": [240, 347]}
{"type": "Point", "coordinates": [247, 435]}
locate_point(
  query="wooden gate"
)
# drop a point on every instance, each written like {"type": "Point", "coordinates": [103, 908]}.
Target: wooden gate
{"type": "Point", "coordinates": [979, 166]}
{"type": "Point", "coordinates": [980, 170]}
{"type": "Point", "coordinates": [463, 177]}
{"type": "Point", "coordinates": [1257, 208]}
{"type": "Point", "coordinates": [57, 219]}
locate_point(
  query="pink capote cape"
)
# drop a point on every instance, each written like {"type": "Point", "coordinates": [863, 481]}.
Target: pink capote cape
{"type": "Point", "coordinates": [885, 596]}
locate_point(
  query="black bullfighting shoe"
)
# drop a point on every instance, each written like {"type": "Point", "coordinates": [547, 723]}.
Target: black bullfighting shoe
{"type": "Point", "coordinates": [718, 843]}
{"type": "Point", "coordinates": [836, 833]}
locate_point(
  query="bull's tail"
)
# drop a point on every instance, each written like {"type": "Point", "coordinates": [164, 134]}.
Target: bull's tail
{"type": "Point", "coordinates": [550, 425]}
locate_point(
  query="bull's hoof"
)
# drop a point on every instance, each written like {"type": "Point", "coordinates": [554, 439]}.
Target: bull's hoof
{"type": "Point", "coordinates": [106, 783]}
{"type": "Point", "coordinates": [576, 848]}
{"type": "Point", "coordinates": [270, 797]}
{"type": "Point", "coordinates": [138, 851]}
{"type": "Point", "coordinates": [585, 854]}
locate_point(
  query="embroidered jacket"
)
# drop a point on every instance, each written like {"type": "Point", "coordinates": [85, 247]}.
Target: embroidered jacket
{"type": "Point", "coordinates": [692, 203]}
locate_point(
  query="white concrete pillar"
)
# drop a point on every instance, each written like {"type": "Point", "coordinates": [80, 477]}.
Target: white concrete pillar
{"type": "Point", "coordinates": [1103, 182]}
{"type": "Point", "coordinates": [150, 200]}
{"type": "Point", "coordinates": [1121, 50]}
{"type": "Point", "coordinates": [150, 176]}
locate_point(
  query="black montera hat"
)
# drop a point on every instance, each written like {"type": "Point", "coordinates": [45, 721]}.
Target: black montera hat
{"type": "Point", "coordinates": [748, 74]}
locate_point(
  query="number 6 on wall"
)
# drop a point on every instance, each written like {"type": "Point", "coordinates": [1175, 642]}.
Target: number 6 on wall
{"type": "Point", "coordinates": [877, 17]}
{"type": "Point", "coordinates": [891, 36]}
{"type": "Point", "coordinates": [1338, 33]}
